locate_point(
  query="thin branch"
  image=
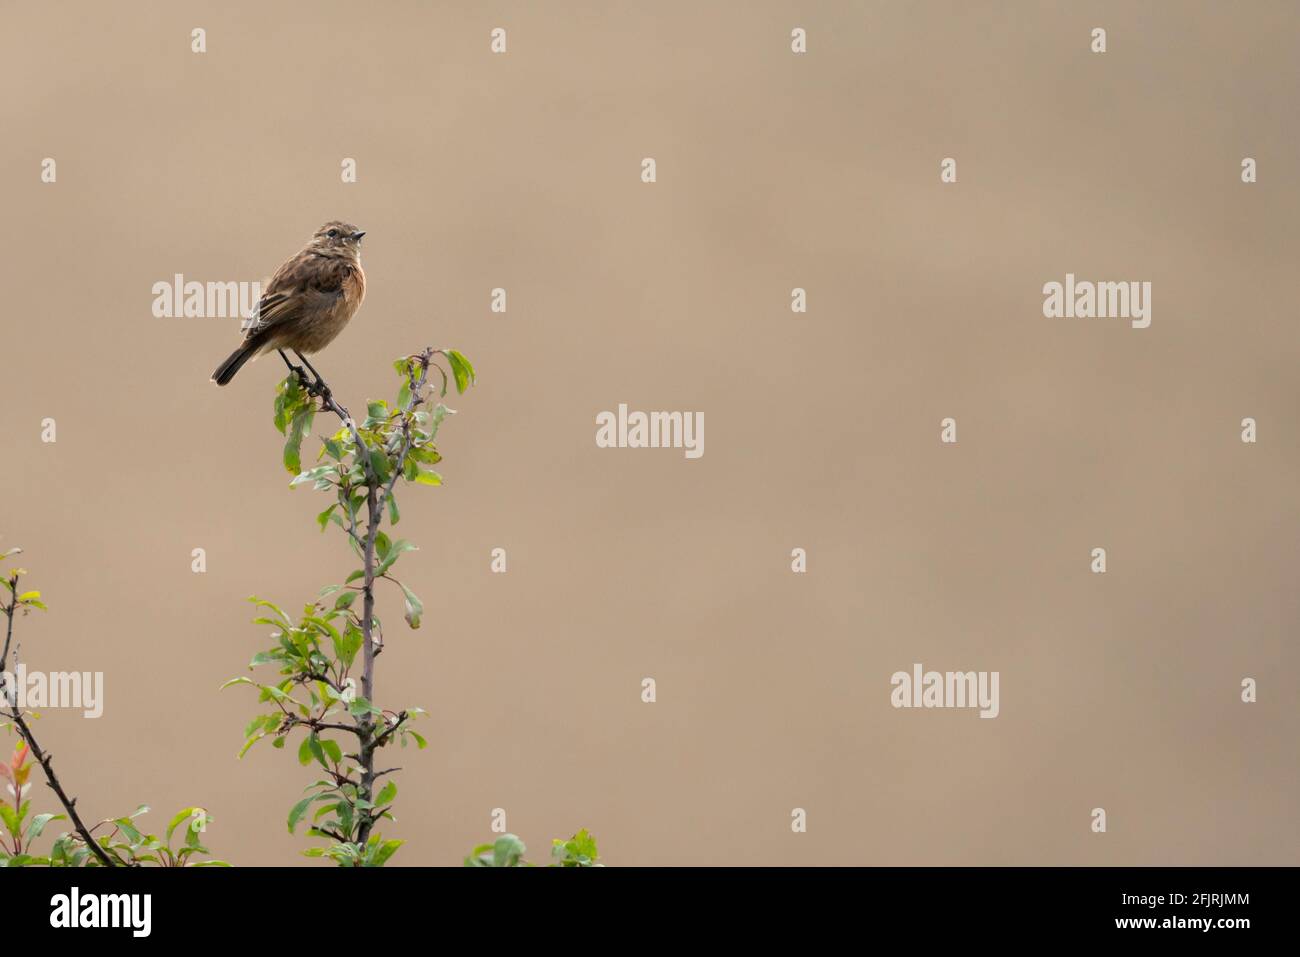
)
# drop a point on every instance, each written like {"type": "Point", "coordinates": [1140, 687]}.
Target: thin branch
{"type": "Point", "coordinates": [417, 398]}
{"type": "Point", "coordinates": [318, 676]}
{"type": "Point", "coordinates": [52, 779]}
{"type": "Point", "coordinates": [365, 722]}
{"type": "Point", "coordinates": [9, 613]}
{"type": "Point", "coordinates": [316, 725]}
{"type": "Point", "coordinates": [391, 730]}
{"type": "Point", "coordinates": [377, 496]}
{"type": "Point", "coordinates": [318, 387]}
{"type": "Point", "coordinates": [43, 759]}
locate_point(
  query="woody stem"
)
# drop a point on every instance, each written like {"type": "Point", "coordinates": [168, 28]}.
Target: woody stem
{"type": "Point", "coordinates": [42, 758]}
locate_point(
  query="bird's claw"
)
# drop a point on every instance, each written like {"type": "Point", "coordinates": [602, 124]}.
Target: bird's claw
{"type": "Point", "coordinates": [313, 385]}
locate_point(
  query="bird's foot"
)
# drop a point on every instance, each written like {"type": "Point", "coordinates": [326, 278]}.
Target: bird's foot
{"type": "Point", "coordinates": [315, 387]}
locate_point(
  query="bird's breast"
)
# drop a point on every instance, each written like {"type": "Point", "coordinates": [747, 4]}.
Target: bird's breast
{"type": "Point", "coordinates": [354, 286]}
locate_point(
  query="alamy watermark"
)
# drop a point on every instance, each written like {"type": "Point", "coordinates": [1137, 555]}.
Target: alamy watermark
{"type": "Point", "coordinates": [946, 689]}
{"type": "Point", "coordinates": [205, 300]}
{"type": "Point", "coordinates": [651, 430]}
{"type": "Point", "coordinates": [75, 909]}
{"type": "Point", "coordinates": [1082, 299]}
{"type": "Point", "coordinates": [84, 690]}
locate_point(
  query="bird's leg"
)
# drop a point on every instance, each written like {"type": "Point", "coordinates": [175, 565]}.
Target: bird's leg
{"type": "Point", "coordinates": [319, 386]}
{"type": "Point", "coordinates": [303, 360]}
{"type": "Point", "coordinates": [297, 370]}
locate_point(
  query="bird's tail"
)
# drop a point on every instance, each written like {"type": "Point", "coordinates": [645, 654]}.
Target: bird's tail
{"type": "Point", "coordinates": [226, 371]}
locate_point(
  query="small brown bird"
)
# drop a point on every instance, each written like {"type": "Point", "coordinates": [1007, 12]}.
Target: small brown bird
{"type": "Point", "coordinates": [307, 302]}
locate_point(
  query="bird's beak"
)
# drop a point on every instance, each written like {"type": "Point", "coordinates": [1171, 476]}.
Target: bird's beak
{"type": "Point", "coordinates": [356, 237]}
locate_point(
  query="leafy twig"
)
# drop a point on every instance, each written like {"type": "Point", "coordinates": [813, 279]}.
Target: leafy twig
{"type": "Point", "coordinates": [42, 758]}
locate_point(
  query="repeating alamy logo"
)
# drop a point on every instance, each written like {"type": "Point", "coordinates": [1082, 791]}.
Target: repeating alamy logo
{"type": "Point", "coordinates": [205, 300]}
{"type": "Point", "coordinates": [1081, 299]}
{"type": "Point", "coordinates": [24, 689]}
{"type": "Point", "coordinates": [651, 430]}
{"type": "Point", "coordinates": [946, 689]}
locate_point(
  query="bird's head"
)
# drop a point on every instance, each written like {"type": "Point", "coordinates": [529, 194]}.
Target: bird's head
{"type": "Point", "coordinates": [337, 238]}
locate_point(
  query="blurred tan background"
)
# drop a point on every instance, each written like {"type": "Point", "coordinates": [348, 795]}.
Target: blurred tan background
{"type": "Point", "coordinates": [822, 431]}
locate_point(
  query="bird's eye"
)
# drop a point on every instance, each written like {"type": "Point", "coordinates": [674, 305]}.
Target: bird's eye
{"type": "Point", "coordinates": [333, 234]}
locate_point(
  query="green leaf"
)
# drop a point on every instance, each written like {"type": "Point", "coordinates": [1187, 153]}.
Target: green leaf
{"type": "Point", "coordinates": [461, 369]}
{"type": "Point", "coordinates": [379, 464]}
{"type": "Point", "coordinates": [322, 625]}
{"type": "Point", "coordinates": [332, 749]}
{"type": "Point", "coordinates": [440, 412]}
{"type": "Point", "coordinates": [281, 414]}
{"type": "Point", "coordinates": [292, 456]}
{"type": "Point", "coordinates": [348, 644]}
{"type": "Point", "coordinates": [304, 752]}
{"type": "Point", "coordinates": [259, 722]}
{"type": "Point", "coordinates": [577, 851]}
{"type": "Point", "coordinates": [299, 809]}
{"type": "Point", "coordinates": [414, 607]}
{"type": "Point", "coordinates": [312, 475]}
{"type": "Point", "coordinates": [38, 823]}
{"type": "Point", "coordinates": [185, 815]}
{"type": "Point", "coordinates": [507, 851]}
{"type": "Point", "coordinates": [360, 706]}
{"type": "Point", "coordinates": [394, 553]}
{"type": "Point", "coordinates": [394, 516]}
{"type": "Point", "coordinates": [428, 477]}
{"type": "Point", "coordinates": [387, 794]}
{"type": "Point", "coordinates": [297, 431]}
{"type": "Point", "coordinates": [384, 852]}
{"type": "Point", "coordinates": [426, 454]}
{"type": "Point", "coordinates": [260, 603]}
{"type": "Point", "coordinates": [13, 823]}
{"type": "Point", "coordinates": [129, 829]}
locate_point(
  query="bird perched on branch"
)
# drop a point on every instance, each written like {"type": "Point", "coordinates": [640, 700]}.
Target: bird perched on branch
{"type": "Point", "coordinates": [307, 302]}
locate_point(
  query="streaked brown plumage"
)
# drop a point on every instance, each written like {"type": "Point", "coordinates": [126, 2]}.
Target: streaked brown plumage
{"type": "Point", "coordinates": [308, 301]}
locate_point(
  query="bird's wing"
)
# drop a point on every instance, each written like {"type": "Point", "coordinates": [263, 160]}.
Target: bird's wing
{"type": "Point", "coordinates": [324, 284]}
{"type": "Point", "coordinates": [282, 298]}
{"type": "Point", "coordinates": [329, 276]}
{"type": "Point", "coordinates": [301, 283]}
{"type": "Point", "coordinates": [270, 310]}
